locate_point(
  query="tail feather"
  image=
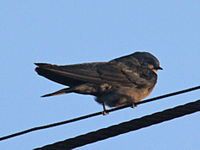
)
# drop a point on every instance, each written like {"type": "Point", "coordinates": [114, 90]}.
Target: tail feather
{"type": "Point", "coordinates": [62, 91]}
{"type": "Point", "coordinates": [41, 64]}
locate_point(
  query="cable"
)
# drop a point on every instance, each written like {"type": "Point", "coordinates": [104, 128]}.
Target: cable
{"type": "Point", "coordinates": [125, 127]}
{"type": "Point", "coordinates": [96, 114]}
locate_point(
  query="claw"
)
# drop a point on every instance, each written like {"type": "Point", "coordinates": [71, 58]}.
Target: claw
{"type": "Point", "coordinates": [105, 113]}
{"type": "Point", "coordinates": [134, 105]}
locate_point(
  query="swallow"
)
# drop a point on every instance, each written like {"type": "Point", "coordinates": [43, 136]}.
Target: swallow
{"type": "Point", "coordinates": [121, 81]}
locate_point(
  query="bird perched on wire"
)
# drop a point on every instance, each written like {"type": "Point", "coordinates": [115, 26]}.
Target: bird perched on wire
{"type": "Point", "coordinates": [121, 81]}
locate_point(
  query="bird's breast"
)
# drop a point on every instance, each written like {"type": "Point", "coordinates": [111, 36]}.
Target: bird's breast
{"type": "Point", "coordinates": [135, 93]}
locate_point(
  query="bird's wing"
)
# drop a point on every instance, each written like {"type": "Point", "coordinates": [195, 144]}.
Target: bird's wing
{"type": "Point", "coordinates": [127, 74]}
{"type": "Point", "coordinates": [97, 73]}
{"type": "Point", "coordinates": [70, 75]}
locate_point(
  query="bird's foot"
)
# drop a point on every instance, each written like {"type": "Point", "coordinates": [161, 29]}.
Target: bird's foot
{"type": "Point", "coordinates": [105, 112]}
{"type": "Point", "coordinates": [134, 105]}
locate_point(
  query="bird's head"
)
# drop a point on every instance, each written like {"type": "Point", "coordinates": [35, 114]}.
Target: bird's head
{"type": "Point", "coordinates": [148, 60]}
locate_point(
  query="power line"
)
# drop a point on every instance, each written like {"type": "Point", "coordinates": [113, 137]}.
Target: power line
{"type": "Point", "coordinates": [97, 113]}
{"type": "Point", "coordinates": [125, 127]}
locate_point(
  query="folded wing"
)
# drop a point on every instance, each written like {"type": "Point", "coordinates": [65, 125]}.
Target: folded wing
{"type": "Point", "coordinates": [95, 73]}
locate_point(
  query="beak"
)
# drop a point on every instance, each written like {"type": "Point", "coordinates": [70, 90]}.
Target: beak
{"type": "Point", "coordinates": [159, 68]}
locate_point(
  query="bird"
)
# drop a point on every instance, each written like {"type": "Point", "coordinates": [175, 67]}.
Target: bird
{"type": "Point", "coordinates": [121, 81]}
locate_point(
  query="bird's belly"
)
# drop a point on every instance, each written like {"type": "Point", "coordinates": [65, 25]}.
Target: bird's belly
{"type": "Point", "coordinates": [123, 96]}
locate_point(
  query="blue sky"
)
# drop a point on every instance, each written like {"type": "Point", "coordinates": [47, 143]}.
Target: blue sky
{"type": "Point", "coordinates": [69, 32]}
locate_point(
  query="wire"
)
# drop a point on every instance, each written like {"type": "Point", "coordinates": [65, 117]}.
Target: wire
{"type": "Point", "coordinates": [125, 127]}
{"type": "Point", "coordinates": [96, 114]}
